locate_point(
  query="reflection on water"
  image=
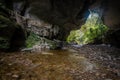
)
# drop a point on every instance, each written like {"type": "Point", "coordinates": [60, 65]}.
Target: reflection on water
{"type": "Point", "coordinates": [48, 65]}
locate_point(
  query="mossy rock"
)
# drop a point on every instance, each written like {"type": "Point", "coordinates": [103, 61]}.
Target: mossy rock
{"type": "Point", "coordinates": [34, 39]}
{"type": "Point", "coordinates": [12, 35]}
{"type": "Point", "coordinates": [7, 29]}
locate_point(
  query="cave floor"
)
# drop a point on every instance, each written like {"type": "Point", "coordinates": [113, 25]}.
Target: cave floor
{"type": "Point", "coordinates": [90, 62]}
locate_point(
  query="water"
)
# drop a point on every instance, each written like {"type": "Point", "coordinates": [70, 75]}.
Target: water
{"type": "Point", "coordinates": [64, 64]}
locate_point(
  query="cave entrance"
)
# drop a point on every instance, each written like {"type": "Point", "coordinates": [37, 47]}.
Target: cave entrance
{"type": "Point", "coordinates": [93, 31]}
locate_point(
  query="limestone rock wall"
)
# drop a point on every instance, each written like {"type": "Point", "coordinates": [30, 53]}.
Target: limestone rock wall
{"type": "Point", "coordinates": [67, 14]}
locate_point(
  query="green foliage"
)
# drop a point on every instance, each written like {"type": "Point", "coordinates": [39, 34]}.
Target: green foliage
{"type": "Point", "coordinates": [93, 29]}
{"type": "Point", "coordinates": [75, 36]}
{"type": "Point", "coordinates": [32, 40]}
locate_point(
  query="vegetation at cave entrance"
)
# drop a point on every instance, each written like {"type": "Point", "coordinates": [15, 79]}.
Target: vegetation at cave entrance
{"type": "Point", "coordinates": [92, 30]}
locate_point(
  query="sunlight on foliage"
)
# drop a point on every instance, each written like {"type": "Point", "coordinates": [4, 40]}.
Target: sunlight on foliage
{"type": "Point", "coordinates": [92, 30]}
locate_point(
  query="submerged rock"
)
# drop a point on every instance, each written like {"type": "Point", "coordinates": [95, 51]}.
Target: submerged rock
{"type": "Point", "coordinates": [15, 76]}
{"type": "Point", "coordinates": [26, 50]}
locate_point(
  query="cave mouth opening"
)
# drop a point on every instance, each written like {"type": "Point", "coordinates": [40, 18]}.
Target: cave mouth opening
{"type": "Point", "coordinates": [93, 31]}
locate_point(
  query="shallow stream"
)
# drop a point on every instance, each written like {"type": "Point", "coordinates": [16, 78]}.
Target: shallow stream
{"type": "Point", "coordinates": [51, 65]}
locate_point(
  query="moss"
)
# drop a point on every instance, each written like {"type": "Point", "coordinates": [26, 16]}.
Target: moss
{"type": "Point", "coordinates": [7, 29]}
{"type": "Point", "coordinates": [92, 30]}
{"type": "Point", "coordinates": [35, 39]}
{"type": "Point", "coordinates": [32, 40]}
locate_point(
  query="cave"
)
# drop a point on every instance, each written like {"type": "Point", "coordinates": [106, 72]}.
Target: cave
{"type": "Point", "coordinates": [59, 40]}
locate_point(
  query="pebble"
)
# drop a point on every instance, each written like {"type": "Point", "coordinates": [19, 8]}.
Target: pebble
{"type": "Point", "coordinates": [22, 79]}
{"type": "Point", "coordinates": [97, 74]}
{"type": "Point", "coordinates": [2, 60]}
{"type": "Point", "coordinates": [10, 64]}
{"type": "Point", "coordinates": [108, 79]}
{"type": "Point", "coordinates": [8, 74]}
{"type": "Point", "coordinates": [15, 76]}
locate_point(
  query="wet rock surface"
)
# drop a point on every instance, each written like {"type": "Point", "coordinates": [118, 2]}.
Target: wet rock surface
{"type": "Point", "coordinates": [106, 53]}
{"type": "Point", "coordinates": [90, 62]}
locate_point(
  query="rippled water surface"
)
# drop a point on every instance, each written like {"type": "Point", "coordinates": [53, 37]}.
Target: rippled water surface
{"type": "Point", "coordinates": [51, 65]}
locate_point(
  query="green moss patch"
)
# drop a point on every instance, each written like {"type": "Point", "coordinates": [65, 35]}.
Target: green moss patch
{"type": "Point", "coordinates": [35, 39]}
{"type": "Point", "coordinates": [32, 40]}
